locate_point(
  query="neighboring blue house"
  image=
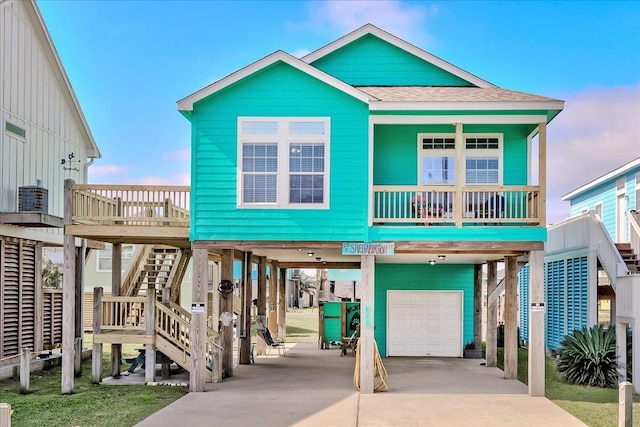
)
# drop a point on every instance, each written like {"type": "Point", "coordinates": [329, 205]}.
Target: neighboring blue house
{"type": "Point", "coordinates": [591, 261]}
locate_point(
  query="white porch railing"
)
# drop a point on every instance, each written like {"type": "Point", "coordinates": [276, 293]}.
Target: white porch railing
{"type": "Point", "coordinates": [444, 205]}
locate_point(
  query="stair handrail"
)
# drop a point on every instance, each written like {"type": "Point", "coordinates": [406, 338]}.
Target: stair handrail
{"type": "Point", "coordinates": [634, 230]}
{"type": "Point", "coordinates": [606, 249]}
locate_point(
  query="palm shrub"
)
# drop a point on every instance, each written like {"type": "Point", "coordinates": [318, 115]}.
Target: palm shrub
{"type": "Point", "coordinates": [588, 357]}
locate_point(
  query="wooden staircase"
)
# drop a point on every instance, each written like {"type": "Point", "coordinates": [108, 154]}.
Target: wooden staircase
{"type": "Point", "coordinates": [629, 257]}
{"type": "Point", "coordinates": [162, 266]}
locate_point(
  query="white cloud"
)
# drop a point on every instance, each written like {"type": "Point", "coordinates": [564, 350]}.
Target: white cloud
{"type": "Point", "coordinates": [404, 19]}
{"type": "Point", "coordinates": [179, 155]}
{"type": "Point", "coordinates": [596, 133]}
{"type": "Point", "coordinates": [172, 179]}
{"type": "Point", "coordinates": [108, 173]}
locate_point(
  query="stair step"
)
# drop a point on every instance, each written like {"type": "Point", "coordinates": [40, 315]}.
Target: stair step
{"type": "Point", "coordinates": [623, 246]}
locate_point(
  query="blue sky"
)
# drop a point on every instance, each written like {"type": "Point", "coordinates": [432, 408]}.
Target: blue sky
{"type": "Point", "coordinates": [130, 61]}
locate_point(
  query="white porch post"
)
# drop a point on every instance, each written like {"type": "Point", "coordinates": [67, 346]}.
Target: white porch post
{"type": "Point", "coordinates": [536, 324]}
{"type": "Point", "coordinates": [367, 265]}
{"type": "Point", "coordinates": [199, 321]}
{"type": "Point", "coordinates": [621, 350]}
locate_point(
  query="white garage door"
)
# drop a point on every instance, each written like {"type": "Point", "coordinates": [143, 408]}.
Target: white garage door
{"type": "Point", "coordinates": [424, 323]}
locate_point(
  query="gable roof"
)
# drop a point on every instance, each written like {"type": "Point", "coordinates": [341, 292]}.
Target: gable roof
{"type": "Point", "coordinates": [51, 54]}
{"type": "Point", "coordinates": [401, 44]}
{"type": "Point", "coordinates": [604, 178]}
{"type": "Point", "coordinates": [186, 104]}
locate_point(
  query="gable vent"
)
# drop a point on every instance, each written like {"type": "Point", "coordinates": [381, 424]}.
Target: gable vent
{"type": "Point", "coordinates": [16, 130]}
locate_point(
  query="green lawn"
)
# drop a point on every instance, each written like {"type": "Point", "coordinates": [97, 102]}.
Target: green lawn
{"type": "Point", "coordinates": [596, 407]}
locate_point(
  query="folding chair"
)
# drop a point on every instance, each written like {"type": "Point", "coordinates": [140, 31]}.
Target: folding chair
{"type": "Point", "coordinates": [268, 339]}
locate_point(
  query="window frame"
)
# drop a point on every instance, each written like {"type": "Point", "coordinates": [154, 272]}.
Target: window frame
{"type": "Point", "coordinates": [451, 152]}
{"type": "Point", "coordinates": [127, 254]}
{"type": "Point", "coordinates": [284, 139]}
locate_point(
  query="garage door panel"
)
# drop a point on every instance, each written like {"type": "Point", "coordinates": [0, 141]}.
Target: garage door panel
{"type": "Point", "coordinates": [424, 323]}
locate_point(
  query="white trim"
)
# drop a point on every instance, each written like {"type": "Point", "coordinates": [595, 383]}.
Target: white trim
{"type": "Point", "coordinates": [613, 174]}
{"type": "Point", "coordinates": [15, 135]}
{"type": "Point", "coordinates": [462, 105]}
{"type": "Point", "coordinates": [464, 119]}
{"type": "Point", "coordinates": [371, 140]}
{"type": "Point", "coordinates": [186, 104]}
{"type": "Point", "coordinates": [595, 208]}
{"type": "Point", "coordinates": [283, 139]}
{"type": "Point", "coordinates": [399, 43]}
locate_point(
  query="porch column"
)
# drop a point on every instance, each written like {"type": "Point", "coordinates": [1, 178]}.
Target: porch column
{"type": "Point", "coordinates": [79, 291]}
{"type": "Point", "coordinates": [116, 281]}
{"type": "Point", "coordinates": [621, 350]}
{"type": "Point", "coordinates": [226, 305]}
{"type": "Point", "coordinates": [262, 302]}
{"type": "Point", "coordinates": [68, 297]}
{"type": "Point", "coordinates": [511, 318]}
{"type": "Point", "coordinates": [272, 299]}
{"type": "Point", "coordinates": [247, 296]}
{"type": "Point", "coordinates": [542, 172]}
{"type": "Point", "coordinates": [458, 209]}
{"type": "Point", "coordinates": [282, 304]}
{"type": "Point", "coordinates": [366, 341]}
{"type": "Point", "coordinates": [635, 344]}
{"type": "Point", "coordinates": [536, 324]}
{"type": "Point", "coordinates": [492, 314]}
{"type": "Point", "coordinates": [198, 339]}
{"type": "Point", "coordinates": [477, 306]}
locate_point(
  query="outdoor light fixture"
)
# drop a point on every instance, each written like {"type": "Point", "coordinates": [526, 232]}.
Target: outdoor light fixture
{"type": "Point", "coordinates": [441, 257]}
{"type": "Point", "coordinates": [318, 258]}
{"type": "Point", "coordinates": [310, 253]}
{"type": "Point", "coordinates": [432, 261]}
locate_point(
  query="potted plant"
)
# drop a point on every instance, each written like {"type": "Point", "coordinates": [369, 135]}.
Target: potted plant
{"type": "Point", "coordinates": [471, 352]}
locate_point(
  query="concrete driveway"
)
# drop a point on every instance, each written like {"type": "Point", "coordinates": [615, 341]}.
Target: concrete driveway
{"type": "Point", "coordinates": [311, 387]}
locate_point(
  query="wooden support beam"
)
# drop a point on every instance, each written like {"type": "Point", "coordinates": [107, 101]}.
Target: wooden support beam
{"type": "Point", "coordinates": [25, 370]}
{"type": "Point", "coordinates": [96, 355]}
{"type": "Point", "coordinates": [446, 247]}
{"type": "Point", "coordinates": [536, 324]}
{"type": "Point", "coordinates": [5, 415]}
{"type": "Point", "coordinates": [245, 318]}
{"type": "Point", "coordinates": [272, 299]}
{"type": "Point", "coordinates": [198, 342]}
{"type": "Point", "coordinates": [366, 341]}
{"type": "Point", "coordinates": [511, 318]}
{"type": "Point", "coordinates": [282, 304]}
{"type": "Point", "coordinates": [262, 302]}
{"type": "Point", "coordinates": [492, 315]}
{"type": "Point", "coordinates": [315, 264]}
{"type": "Point", "coordinates": [39, 303]}
{"type": "Point", "coordinates": [477, 306]}
{"type": "Point", "coordinates": [79, 290]}
{"type": "Point", "coordinates": [542, 173]}
{"type": "Point", "coordinates": [68, 297]}
{"type": "Point", "coordinates": [150, 328]}
{"type": "Point", "coordinates": [226, 306]}
{"type": "Point", "coordinates": [116, 283]}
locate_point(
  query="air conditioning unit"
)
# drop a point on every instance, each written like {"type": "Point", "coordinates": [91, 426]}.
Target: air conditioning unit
{"type": "Point", "coordinates": [33, 199]}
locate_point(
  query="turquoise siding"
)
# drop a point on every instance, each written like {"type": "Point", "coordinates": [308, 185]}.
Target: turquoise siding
{"type": "Point", "coordinates": [566, 294]}
{"type": "Point", "coordinates": [413, 277]}
{"type": "Point", "coordinates": [278, 91]}
{"type": "Point", "coordinates": [370, 61]}
{"type": "Point", "coordinates": [606, 194]}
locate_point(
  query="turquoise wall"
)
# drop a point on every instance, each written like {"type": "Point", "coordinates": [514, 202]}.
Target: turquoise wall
{"type": "Point", "coordinates": [370, 61]}
{"type": "Point", "coordinates": [279, 91]}
{"type": "Point", "coordinates": [443, 277]}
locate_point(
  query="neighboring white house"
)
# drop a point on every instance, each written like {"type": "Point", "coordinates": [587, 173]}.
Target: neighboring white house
{"type": "Point", "coordinates": [41, 125]}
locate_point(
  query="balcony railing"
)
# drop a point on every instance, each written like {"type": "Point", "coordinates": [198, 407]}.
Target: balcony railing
{"type": "Point", "coordinates": [444, 205]}
{"type": "Point", "coordinates": [136, 205]}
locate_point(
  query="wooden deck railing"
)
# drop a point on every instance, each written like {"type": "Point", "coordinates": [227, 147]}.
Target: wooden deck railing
{"type": "Point", "coordinates": [444, 205]}
{"type": "Point", "coordinates": [123, 313]}
{"type": "Point", "coordinates": [131, 205]}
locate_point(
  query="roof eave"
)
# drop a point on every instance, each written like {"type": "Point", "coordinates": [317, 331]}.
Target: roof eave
{"type": "Point", "coordinates": [462, 106]}
{"type": "Point", "coordinates": [606, 177]}
{"type": "Point", "coordinates": [402, 44]}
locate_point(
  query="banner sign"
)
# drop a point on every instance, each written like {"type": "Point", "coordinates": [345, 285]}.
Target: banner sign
{"type": "Point", "coordinates": [367, 248]}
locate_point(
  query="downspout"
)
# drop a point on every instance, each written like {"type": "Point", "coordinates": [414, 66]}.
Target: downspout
{"type": "Point", "coordinates": [86, 169]}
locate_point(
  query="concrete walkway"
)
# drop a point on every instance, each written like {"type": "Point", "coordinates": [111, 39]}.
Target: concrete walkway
{"type": "Point", "coordinates": [311, 387]}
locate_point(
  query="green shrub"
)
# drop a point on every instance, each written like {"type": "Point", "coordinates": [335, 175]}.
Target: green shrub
{"type": "Point", "coordinates": [588, 357]}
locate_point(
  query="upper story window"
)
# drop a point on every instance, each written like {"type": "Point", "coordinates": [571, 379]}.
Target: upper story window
{"type": "Point", "coordinates": [104, 258]}
{"type": "Point", "coordinates": [283, 162]}
{"type": "Point", "coordinates": [482, 159]}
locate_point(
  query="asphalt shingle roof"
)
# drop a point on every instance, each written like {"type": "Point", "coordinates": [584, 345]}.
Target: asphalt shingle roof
{"type": "Point", "coordinates": [449, 94]}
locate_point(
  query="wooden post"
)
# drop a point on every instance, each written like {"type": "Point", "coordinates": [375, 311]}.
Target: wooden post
{"type": "Point", "coordinates": [536, 324]}
{"type": "Point", "coordinates": [226, 305]}
{"type": "Point", "coordinates": [492, 315]}
{"type": "Point", "coordinates": [39, 305]}
{"type": "Point", "coordinates": [68, 296]}
{"type": "Point", "coordinates": [116, 281]}
{"type": "Point", "coordinates": [272, 299]}
{"type": "Point", "coordinates": [366, 341]}
{"type": "Point", "coordinates": [625, 404]}
{"type": "Point", "coordinates": [5, 415]}
{"type": "Point", "coordinates": [621, 350]}
{"type": "Point", "coordinates": [198, 343]}
{"type": "Point", "coordinates": [262, 301]}
{"type": "Point", "coordinates": [247, 296]}
{"type": "Point", "coordinates": [282, 304]}
{"type": "Point", "coordinates": [96, 355]}
{"type": "Point", "coordinates": [511, 318]}
{"type": "Point", "coordinates": [542, 173]}
{"type": "Point", "coordinates": [25, 370]}
{"type": "Point", "coordinates": [477, 306]}
{"type": "Point", "coordinates": [150, 329]}
{"type": "Point", "coordinates": [79, 327]}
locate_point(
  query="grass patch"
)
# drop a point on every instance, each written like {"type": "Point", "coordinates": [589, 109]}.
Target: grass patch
{"type": "Point", "coordinates": [302, 325]}
{"type": "Point", "coordinates": [596, 407]}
